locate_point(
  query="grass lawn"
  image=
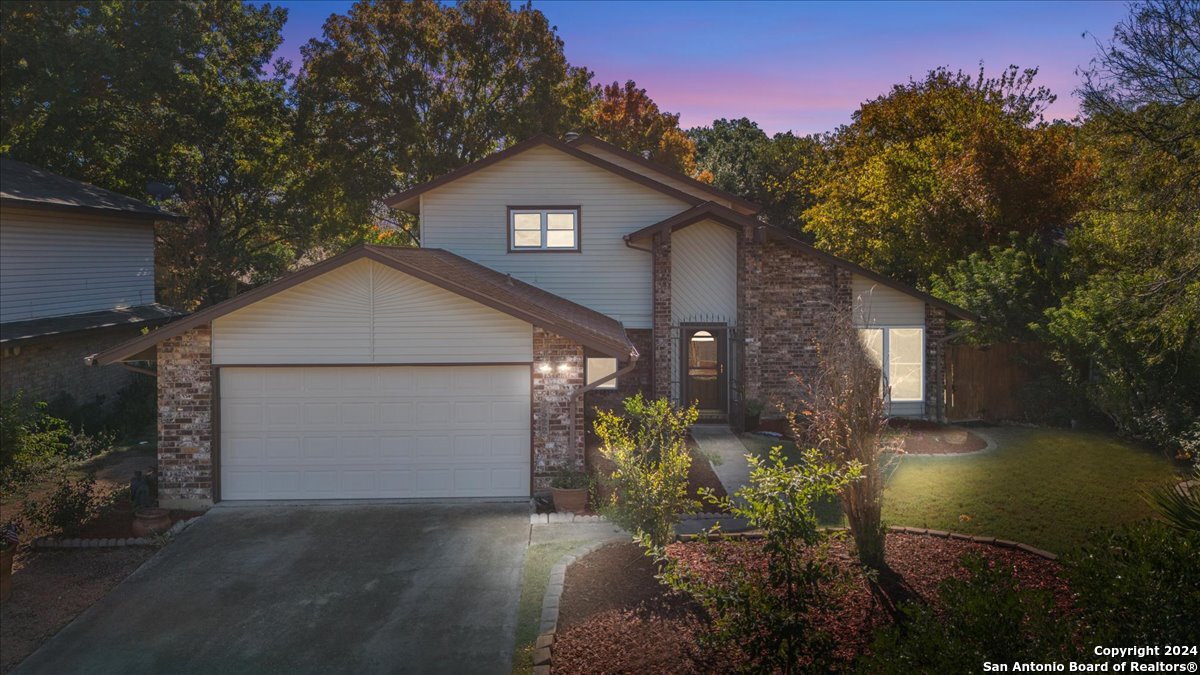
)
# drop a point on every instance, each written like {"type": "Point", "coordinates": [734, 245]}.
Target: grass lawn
{"type": "Point", "coordinates": [538, 561]}
{"type": "Point", "coordinates": [1045, 487]}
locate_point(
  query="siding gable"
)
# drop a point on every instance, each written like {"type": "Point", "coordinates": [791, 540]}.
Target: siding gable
{"type": "Point", "coordinates": [704, 273]}
{"type": "Point", "coordinates": [365, 312]}
{"type": "Point", "coordinates": [879, 305]}
{"type": "Point", "coordinates": [626, 163]}
{"type": "Point", "coordinates": [469, 217]}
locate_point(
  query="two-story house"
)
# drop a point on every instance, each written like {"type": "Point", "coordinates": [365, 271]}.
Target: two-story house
{"type": "Point", "coordinates": [76, 277]}
{"type": "Point", "coordinates": [553, 275]}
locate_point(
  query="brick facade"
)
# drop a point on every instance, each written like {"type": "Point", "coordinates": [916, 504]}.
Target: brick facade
{"type": "Point", "coordinates": [48, 369]}
{"type": "Point", "coordinates": [557, 373]}
{"type": "Point", "coordinates": [639, 380]}
{"type": "Point", "coordinates": [185, 420]}
{"type": "Point", "coordinates": [662, 314]}
{"type": "Point", "coordinates": [935, 362]}
{"type": "Point", "coordinates": [784, 296]}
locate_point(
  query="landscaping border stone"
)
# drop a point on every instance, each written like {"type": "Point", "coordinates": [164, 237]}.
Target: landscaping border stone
{"type": "Point", "coordinates": [543, 648]}
{"type": "Point", "coordinates": [567, 517]}
{"type": "Point", "coordinates": [46, 543]}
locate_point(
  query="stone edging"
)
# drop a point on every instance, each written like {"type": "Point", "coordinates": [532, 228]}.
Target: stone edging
{"type": "Point", "coordinates": [567, 517]}
{"type": "Point", "coordinates": [548, 629]}
{"type": "Point", "coordinates": [45, 543]}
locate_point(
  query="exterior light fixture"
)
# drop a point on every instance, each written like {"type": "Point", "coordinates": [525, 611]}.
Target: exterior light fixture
{"type": "Point", "coordinates": [544, 368]}
{"type": "Point", "coordinates": [564, 367]}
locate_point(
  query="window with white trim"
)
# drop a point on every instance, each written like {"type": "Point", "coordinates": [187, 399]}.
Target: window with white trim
{"type": "Point", "coordinates": [543, 229]}
{"type": "Point", "coordinates": [598, 367]}
{"type": "Point", "coordinates": [903, 350]}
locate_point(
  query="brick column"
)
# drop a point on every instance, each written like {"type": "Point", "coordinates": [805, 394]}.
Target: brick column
{"type": "Point", "coordinates": [935, 363]}
{"type": "Point", "coordinates": [185, 420]}
{"type": "Point", "coordinates": [557, 373]}
{"type": "Point", "coordinates": [662, 314]}
{"type": "Point", "coordinates": [749, 318]}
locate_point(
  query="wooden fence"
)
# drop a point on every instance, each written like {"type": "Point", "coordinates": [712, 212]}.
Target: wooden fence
{"type": "Point", "coordinates": [986, 382]}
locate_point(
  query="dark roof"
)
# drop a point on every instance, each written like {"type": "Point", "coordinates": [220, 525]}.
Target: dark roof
{"type": "Point", "coordinates": [436, 266]}
{"type": "Point", "coordinates": [727, 216]}
{"type": "Point", "coordinates": [31, 329]}
{"type": "Point", "coordinates": [585, 139]}
{"type": "Point", "coordinates": [405, 200]}
{"type": "Point", "coordinates": [23, 184]}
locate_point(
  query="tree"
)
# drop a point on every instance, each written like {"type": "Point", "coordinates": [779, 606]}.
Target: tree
{"type": "Point", "coordinates": [842, 412]}
{"type": "Point", "coordinates": [775, 172]}
{"type": "Point", "coordinates": [945, 166]}
{"type": "Point", "coordinates": [124, 93]}
{"type": "Point", "coordinates": [394, 94]}
{"type": "Point", "coordinates": [627, 117]}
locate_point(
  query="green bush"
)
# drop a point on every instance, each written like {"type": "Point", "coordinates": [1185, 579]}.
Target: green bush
{"type": "Point", "coordinates": [69, 507]}
{"type": "Point", "coordinates": [984, 618]}
{"type": "Point", "coordinates": [30, 437]}
{"type": "Point", "coordinates": [648, 446]}
{"type": "Point", "coordinates": [1138, 585]}
{"type": "Point", "coordinates": [770, 610]}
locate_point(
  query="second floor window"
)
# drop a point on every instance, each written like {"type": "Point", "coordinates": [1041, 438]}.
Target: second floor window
{"type": "Point", "coordinates": [553, 228]}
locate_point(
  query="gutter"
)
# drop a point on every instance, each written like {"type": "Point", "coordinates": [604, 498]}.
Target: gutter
{"type": "Point", "coordinates": [573, 432]}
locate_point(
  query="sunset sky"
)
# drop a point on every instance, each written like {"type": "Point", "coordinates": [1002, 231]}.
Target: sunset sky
{"type": "Point", "coordinates": [804, 66]}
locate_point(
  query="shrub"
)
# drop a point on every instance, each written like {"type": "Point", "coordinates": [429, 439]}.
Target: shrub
{"type": "Point", "coordinates": [983, 618]}
{"type": "Point", "coordinates": [29, 438]}
{"type": "Point", "coordinates": [770, 611]}
{"type": "Point", "coordinates": [70, 506]}
{"type": "Point", "coordinates": [648, 447]}
{"type": "Point", "coordinates": [571, 480]}
{"type": "Point", "coordinates": [1140, 584]}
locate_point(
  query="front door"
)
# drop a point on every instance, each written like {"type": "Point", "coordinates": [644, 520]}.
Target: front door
{"type": "Point", "coordinates": [705, 380]}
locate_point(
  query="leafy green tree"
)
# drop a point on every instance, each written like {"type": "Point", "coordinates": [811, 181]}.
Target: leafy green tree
{"type": "Point", "coordinates": [775, 172]}
{"type": "Point", "coordinates": [122, 94]}
{"type": "Point", "coordinates": [626, 116]}
{"type": "Point", "coordinates": [942, 167]}
{"type": "Point", "coordinates": [396, 93]}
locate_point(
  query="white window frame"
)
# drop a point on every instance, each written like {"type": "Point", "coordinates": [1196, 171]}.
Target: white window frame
{"type": "Point", "coordinates": [543, 213]}
{"type": "Point", "coordinates": [885, 354]}
{"type": "Point", "coordinates": [587, 377]}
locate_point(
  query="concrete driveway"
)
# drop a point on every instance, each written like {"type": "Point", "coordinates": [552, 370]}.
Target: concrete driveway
{"type": "Point", "coordinates": [313, 589]}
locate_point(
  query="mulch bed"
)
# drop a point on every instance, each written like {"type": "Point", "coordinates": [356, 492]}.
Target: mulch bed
{"type": "Point", "coordinates": [942, 441]}
{"type": "Point", "coordinates": [615, 617]}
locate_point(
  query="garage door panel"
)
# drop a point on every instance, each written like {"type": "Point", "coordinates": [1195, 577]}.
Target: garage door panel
{"type": "Point", "coordinates": [362, 432]}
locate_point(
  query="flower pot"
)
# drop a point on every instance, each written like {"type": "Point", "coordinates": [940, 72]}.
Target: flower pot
{"type": "Point", "coordinates": [750, 422]}
{"type": "Point", "coordinates": [6, 559]}
{"type": "Point", "coordinates": [570, 500]}
{"type": "Point", "coordinates": [147, 522]}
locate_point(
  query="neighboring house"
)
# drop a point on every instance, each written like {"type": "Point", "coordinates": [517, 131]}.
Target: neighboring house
{"type": "Point", "coordinates": [554, 275]}
{"type": "Point", "coordinates": [76, 277]}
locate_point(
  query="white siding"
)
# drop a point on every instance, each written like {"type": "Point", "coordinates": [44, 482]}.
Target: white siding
{"type": "Point", "coordinates": [704, 274]}
{"type": "Point", "coordinates": [681, 185]}
{"type": "Point", "coordinates": [469, 217]}
{"type": "Point", "coordinates": [879, 305]}
{"type": "Point", "coordinates": [365, 312]}
{"type": "Point", "coordinates": [55, 263]}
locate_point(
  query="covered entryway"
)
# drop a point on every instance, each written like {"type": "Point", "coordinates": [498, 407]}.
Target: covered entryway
{"type": "Point", "coordinates": [338, 432]}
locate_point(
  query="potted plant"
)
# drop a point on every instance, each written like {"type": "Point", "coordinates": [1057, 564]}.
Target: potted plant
{"type": "Point", "coordinates": [753, 414]}
{"type": "Point", "coordinates": [570, 490]}
{"type": "Point", "coordinates": [9, 538]}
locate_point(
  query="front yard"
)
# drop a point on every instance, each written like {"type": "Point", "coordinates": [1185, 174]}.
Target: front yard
{"type": "Point", "coordinates": [1045, 487]}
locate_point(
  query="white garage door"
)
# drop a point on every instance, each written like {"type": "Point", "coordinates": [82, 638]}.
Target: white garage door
{"type": "Point", "coordinates": [342, 432]}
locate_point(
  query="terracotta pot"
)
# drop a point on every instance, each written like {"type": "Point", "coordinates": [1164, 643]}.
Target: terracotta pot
{"type": "Point", "coordinates": [573, 500]}
{"type": "Point", "coordinates": [6, 558]}
{"type": "Point", "coordinates": [148, 522]}
{"type": "Point", "coordinates": [750, 422]}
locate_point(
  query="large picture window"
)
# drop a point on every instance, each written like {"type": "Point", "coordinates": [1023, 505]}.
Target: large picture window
{"type": "Point", "coordinates": [903, 352]}
{"type": "Point", "coordinates": [543, 229]}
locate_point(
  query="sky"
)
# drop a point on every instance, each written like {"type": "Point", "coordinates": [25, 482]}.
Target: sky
{"type": "Point", "coordinates": [803, 67]}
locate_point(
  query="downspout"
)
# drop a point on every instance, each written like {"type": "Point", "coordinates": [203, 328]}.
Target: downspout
{"type": "Point", "coordinates": [573, 432]}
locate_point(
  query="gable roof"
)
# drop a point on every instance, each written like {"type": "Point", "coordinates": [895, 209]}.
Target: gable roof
{"type": "Point", "coordinates": [440, 268]}
{"type": "Point", "coordinates": [407, 199]}
{"type": "Point", "coordinates": [726, 216]}
{"type": "Point", "coordinates": [23, 184]}
{"type": "Point", "coordinates": [586, 139]}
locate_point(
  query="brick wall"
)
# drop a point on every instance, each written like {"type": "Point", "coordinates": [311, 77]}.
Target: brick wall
{"type": "Point", "coordinates": [557, 372]}
{"type": "Point", "coordinates": [785, 295]}
{"type": "Point", "coordinates": [46, 369]}
{"type": "Point", "coordinates": [935, 362]}
{"type": "Point", "coordinates": [662, 314]}
{"type": "Point", "coordinates": [185, 420]}
{"type": "Point", "coordinates": [639, 380]}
